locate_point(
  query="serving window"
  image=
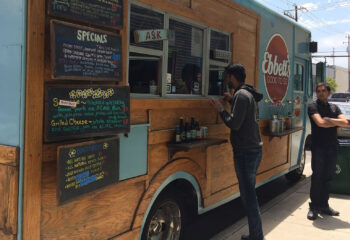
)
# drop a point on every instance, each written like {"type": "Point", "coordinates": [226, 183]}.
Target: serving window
{"type": "Point", "coordinates": [145, 19]}
{"type": "Point", "coordinates": [185, 58]}
{"type": "Point", "coordinates": [182, 58]}
{"type": "Point", "coordinates": [298, 77]}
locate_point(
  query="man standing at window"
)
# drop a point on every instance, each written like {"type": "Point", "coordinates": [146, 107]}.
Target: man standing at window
{"type": "Point", "coordinates": [245, 140]}
{"type": "Point", "coordinates": [325, 118]}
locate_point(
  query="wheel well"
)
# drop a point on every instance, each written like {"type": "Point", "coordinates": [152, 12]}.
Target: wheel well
{"type": "Point", "coordinates": [185, 192]}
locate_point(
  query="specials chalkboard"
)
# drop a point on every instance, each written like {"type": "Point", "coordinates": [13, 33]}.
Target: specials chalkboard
{"type": "Point", "coordinates": [100, 12]}
{"type": "Point", "coordinates": [82, 53]}
{"type": "Point", "coordinates": [73, 112]}
{"type": "Point", "coordinates": [85, 167]}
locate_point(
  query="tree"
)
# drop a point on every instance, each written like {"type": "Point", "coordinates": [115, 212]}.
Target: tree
{"type": "Point", "coordinates": [332, 83]}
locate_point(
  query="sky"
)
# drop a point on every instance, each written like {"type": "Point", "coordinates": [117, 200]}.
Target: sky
{"type": "Point", "coordinates": [328, 21]}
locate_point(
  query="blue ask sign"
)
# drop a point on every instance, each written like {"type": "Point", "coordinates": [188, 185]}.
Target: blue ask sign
{"type": "Point", "coordinates": [150, 35]}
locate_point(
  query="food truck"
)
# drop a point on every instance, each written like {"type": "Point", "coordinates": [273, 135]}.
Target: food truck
{"type": "Point", "coordinates": [92, 96]}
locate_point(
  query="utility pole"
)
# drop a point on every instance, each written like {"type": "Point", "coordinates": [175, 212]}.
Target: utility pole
{"type": "Point", "coordinates": [348, 50]}
{"type": "Point", "coordinates": [333, 58]}
{"type": "Point", "coordinates": [296, 9]}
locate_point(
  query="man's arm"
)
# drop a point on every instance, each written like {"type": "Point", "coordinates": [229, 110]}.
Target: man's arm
{"type": "Point", "coordinates": [321, 122]}
{"type": "Point", "coordinates": [237, 116]}
{"type": "Point", "coordinates": [340, 121]}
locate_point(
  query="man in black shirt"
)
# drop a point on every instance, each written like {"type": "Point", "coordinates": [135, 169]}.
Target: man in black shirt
{"type": "Point", "coordinates": [325, 118]}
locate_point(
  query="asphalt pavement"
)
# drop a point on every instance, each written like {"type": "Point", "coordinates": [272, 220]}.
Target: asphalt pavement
{"type": "Point", "coordinates": [284, 217]}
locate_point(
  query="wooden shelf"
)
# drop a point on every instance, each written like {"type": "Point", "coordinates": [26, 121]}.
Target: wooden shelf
{"type": "Point", "coordinates": [184, 147]}
{"type": "Point", "coordinates": [284, 133]}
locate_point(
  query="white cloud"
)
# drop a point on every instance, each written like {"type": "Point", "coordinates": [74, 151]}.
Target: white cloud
{"type": "Point", "coordinates": [310, 24]}
{"type": "Point", "coordinates": [332, 41]}
{"type": "Point", "coordinates": [310, 6]}
{"type": "Point", "coordinates": [338, 21]}
{"type": "Point", "coordinates": [340, 4]}
{"type": "Point", "coordinates": [319, 23]}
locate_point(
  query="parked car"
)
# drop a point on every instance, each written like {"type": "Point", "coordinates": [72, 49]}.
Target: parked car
{"type": "Point", "coordinates": [345, 108]}
{"type": "Point", "coordinates": [340, 97]}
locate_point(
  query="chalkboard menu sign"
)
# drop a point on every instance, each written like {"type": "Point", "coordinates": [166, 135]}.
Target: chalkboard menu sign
{"type": "Point", "coordinates": [100, 12]}
{"type": "Point", "coordinates": [82, 53]}
{"type": "Point", "coordinates": [85, 111]}
{"type": "Point", "coordinates": [85, 167]}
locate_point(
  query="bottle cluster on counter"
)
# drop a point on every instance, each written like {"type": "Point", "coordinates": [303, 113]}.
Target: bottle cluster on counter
{"type": "Point", "coordinates": [189, 131]}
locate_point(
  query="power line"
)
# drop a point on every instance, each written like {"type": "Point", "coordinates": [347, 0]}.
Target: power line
{"type": "Point", "coordinates": [296, 9]}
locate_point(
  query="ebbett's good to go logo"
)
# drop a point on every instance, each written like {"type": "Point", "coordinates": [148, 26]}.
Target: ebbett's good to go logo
{"type": "Point", "coordinates": [276, 68]}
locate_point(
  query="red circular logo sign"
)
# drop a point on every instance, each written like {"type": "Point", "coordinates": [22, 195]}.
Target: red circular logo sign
{"type": "Point", "coordinates": [276, 68]}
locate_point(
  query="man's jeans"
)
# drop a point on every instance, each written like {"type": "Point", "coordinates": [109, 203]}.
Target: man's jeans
{"type": "Point", "coordinates": [246, 165]}
{"type": "Point", "coordinates": [323, 164]}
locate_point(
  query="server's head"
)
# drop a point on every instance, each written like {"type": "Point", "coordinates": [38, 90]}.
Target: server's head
{"type": "Point", "coordinates": [235, 75]}
{"type": "Point", "coordinates": [323, 91]}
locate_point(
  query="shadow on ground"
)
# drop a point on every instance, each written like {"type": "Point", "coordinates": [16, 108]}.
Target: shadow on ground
{"type": "Point", "coordinates": [211, 223]}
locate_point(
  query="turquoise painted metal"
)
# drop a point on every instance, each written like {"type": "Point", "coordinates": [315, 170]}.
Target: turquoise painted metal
{"type": "Point", "coordinates": [12, 83]}
{"type": "Point", "coordinates": [133, 152]}
{"type": "Point", "coordinates": [297, 39]}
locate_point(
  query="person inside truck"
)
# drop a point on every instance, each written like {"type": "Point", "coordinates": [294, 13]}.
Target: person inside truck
{"type": "Point", "coordinates": [191, 80]}
{"type": "Point", "coordinates": [325, 118]}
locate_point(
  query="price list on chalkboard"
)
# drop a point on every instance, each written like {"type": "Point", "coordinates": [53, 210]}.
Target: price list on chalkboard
{"type": "Point", "coordinates": [87, 166]}
{"type": "Point", "coordinates": [85, 111]}
{"type": "Point", "coordinates": [102, 12]}
{"type": "Point", "coordinates": [82, 53]}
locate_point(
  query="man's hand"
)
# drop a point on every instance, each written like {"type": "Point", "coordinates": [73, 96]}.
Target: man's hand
{"type": "Point", "coordinates": [216, 104]}
{"type": "Point", "coordinates": [227, 96]}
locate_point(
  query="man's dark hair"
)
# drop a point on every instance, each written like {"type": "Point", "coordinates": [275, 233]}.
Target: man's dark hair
{"type": "Point", "coordinates": [323, 84]}
{"type": "Point", "coordinates": [189, 73]}
{"type": "Point", "coordinates": [237, 70]}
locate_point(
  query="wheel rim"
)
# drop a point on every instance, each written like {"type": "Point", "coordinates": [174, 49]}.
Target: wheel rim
{"type": "Point", "coordinates": [165, 223]}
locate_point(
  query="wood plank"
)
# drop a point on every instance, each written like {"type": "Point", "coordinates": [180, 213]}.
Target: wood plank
{"type": "Point", "coordinates": [257, 47]}
{"type": "Point", "coordinates": [130, 235]}
{"type": "Point", "coordinates": [169, 118]}
{"type": "Point", "coordinates": [192, 168]}
{"type": "Point", "coordinates": [222, 169]}
{"type": "Point", "coordinates": [9, 155]}
{"type": "Point", "coordinates": [185, 3]}
{"type": "Point", "coordinates": [33, 119]}
{"type": "Point", "coordinates": [4, 236]}
{"type": "Point", "coordinates": [275, 152]}
{"type": "Point", "coordinates": [157, 158]}
{"type": "Point", "coordinates": [221, 195]}
{"type": "Point", "coordinates": [8, 199]}
{"type": "Point", "coordinates": [101, 214]}
{"type": "Point", "coordinates": [270, 173]}
{"type": "Point", "coordinates": [125, 32]}
{"type": "Point", "coordinates": [236, 14]}
{"type": "Point", "coordinates": [246, 53]}
{"type": "Point", "coordinates": [159, 104]}
{"type": "Point", "coordinates": [138, 116]}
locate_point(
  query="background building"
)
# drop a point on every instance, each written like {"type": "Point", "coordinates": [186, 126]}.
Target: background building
{"type": "Point", "coordinates": [340, 74]}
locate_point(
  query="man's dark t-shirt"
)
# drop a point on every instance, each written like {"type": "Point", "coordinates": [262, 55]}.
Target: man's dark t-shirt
{"type": "Point", "coordinates": [323, 137]}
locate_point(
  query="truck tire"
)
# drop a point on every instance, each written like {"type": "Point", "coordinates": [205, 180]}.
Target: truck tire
{"type": "Point", "coordinates": [168, 217]}
{"type": "Point", "coordinates": [296, 174]}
